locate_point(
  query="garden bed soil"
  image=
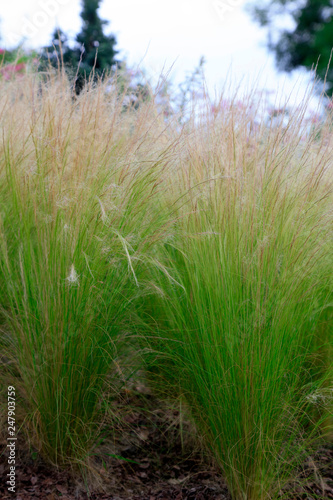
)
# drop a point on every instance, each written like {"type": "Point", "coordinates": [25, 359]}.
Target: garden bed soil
{"type": "Point", "coordinates": [153, 464]}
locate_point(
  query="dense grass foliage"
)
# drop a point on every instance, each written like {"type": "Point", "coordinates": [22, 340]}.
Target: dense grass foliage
{"type": "Point", "coordinates": [242, 325]}
{"type": "Point", "coordinates": [245, 325]}
{"type": "Point", "coordinates": [76, 215]}
{"type": "Point", "coordinates": [210, 247]}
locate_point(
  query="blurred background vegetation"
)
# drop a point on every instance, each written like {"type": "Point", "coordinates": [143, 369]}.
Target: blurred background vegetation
{"type": "Point", "coordinates": [299, 33]}
{"type": "Point", "coordinates": [307, 42]}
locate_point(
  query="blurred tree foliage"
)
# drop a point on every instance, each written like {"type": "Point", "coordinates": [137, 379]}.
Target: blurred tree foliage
{"type": "Point", "coordinates": [93, 52]}
{"type": "Point", "coordinates": [59, 51]}
{"type": "Point", "coordinates": [307, 41]}
{"type": "Point", "coordinates": [92, 37]}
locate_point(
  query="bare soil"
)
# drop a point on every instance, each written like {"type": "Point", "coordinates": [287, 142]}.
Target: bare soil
{"type": "Point", "coordinates": [148, 459]}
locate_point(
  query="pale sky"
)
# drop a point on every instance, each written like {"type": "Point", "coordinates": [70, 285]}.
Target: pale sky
{"type": "Point", "coordinates": [157, 34]}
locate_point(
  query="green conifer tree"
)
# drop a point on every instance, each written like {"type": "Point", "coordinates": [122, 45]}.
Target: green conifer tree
{"type": "Point", "coordinates": [93, 52]}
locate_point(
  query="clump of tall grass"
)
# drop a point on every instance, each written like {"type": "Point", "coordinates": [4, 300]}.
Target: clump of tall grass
{"type": "Point", "coordinates": [79, 179]}
{"type": "Point", "coordinates": [244, 327]}
{"type": "Point", "coordinates": [217, 234]}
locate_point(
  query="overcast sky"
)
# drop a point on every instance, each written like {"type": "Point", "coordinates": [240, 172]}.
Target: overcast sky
{"type": "Point", "coordinates": [160, 34]}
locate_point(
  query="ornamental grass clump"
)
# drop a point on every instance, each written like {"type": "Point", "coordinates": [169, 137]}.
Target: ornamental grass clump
{"type": "Point", "coordinates": [203, 248]}
{"type": "Point", "coordinates": [243, 331]}
{"type": "Point", "coordinates": [79, 179]}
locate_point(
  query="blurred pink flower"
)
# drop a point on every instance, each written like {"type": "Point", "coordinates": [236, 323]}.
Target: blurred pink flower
{"type": "Point", "coordinates": [11, 69]}
{"type": "Point", "coordinates": [18, 67]}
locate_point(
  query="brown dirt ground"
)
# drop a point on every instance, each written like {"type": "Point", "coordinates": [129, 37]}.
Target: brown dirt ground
{"type": "Point", "coordinates": [160, 467]}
